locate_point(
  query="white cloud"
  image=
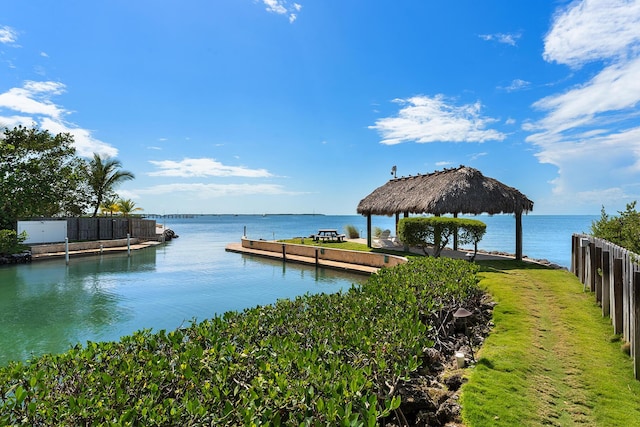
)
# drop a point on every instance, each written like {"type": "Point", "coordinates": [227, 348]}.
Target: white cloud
{"type": "Point", "coordinates": [33, 98]}
{"type": "Point", "coordinates": [282, 7]}
{"type": "Point", "coordinates": [204, 167]}
{"type": "Point", "coordinates": [33, 104]}
{"type": "Point", "coordinates": [517, 84]}
{"type": "Point", "coordinates": [615, 88]}
{"type": "Point", "coordinates": [603, 197]}
{"type": "Point", "coordinates": [423, 119]}
{"type": "Point", "coordinates": [592, 30]}
{"type": "Point", "coordinates": [476, 156]}
{"type": "Point", "coordinates": [209, 191]}
{"type": "Point", "coordinates": [275, 6]}
{"type": "Point", "coordinates": [8, 35]}
{"type": "Point", "coordinates": [84, 142]}
{"type": "Point", "coordinates": [590, 132]}
{"type": "Point", "coordinates": [510, 39]}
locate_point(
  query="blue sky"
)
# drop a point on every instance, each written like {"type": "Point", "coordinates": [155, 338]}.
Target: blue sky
{"type": "Point", "coordinates": [275, 106]}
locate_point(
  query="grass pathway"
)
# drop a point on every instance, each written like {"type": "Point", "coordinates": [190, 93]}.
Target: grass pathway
{"type": "Point", "coordinates": [551, 358]}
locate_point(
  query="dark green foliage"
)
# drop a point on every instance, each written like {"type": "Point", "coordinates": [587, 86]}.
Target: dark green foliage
{"type": "Point", "coordinates": [623, 230]}
{"type": "Point", "coordinates": [352, 232]}
{"type": "Point", "coordinates": [316, 360]}
{"type": "Point", "coordinates": [436, 232]}
{"type": "Point", "coordinates": [40, 175]}
{"type": "Point", "coordinates": [11, 242]}
{"type": "Point", "coordinates": [471, 231]}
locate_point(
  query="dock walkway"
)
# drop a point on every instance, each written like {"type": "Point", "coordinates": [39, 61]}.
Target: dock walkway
{"type": "Point", "coordinates": [354, 268]}
{"type": "Point", "coordinates": [93, 251]}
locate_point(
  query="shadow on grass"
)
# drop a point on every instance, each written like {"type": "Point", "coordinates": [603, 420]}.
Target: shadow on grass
{"type": "Point", "coordinates": [485, 362]}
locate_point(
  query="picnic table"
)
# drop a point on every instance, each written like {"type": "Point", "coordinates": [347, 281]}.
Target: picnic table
{"type": "Point", "coordinates": [328, 234]}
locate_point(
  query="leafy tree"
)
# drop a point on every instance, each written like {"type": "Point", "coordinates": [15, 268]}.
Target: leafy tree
{"type": "Point", "coordinates": [104, 175]}
{"type": "Point", "coordinates": [126, 207]}
{"type": "Point", "coordinates": [40, 175]}
{"type": "Point", "coordinates": [471, 231]}
{"type": "Point", "coordinates": [623, 230]}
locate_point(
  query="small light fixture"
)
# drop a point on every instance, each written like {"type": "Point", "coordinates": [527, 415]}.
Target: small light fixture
{"type": "Point", "coordinates": [463, 313]}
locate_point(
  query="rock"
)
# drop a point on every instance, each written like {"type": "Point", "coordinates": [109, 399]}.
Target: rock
{"type": "Point", "coordinates": [454, 382]}
{"type": "Point", "coordinates": [430, 396]}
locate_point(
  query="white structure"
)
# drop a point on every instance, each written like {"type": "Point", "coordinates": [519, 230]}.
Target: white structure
{"type": "Point", "coordinates": [43, 231]}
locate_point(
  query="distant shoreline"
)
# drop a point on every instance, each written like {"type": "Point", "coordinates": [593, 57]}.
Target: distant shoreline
{"type": "Point", "coordinates": [188, 215]}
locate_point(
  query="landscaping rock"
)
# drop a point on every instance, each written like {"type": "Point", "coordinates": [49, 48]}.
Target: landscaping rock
{"type": "Point", "coordinates": [430, 397]}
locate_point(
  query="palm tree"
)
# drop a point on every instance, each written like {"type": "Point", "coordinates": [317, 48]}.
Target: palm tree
{"type": "Point", "coordinates": [125, 207]}
{"type": "Point", "coordinates": [110, 205]}
{"type": "Point", "coordinates": [104, 176]}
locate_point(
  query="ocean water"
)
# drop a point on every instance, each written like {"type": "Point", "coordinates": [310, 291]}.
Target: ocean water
{"type": "Point", "coordinates": [48, 306]}
{"type": "Point", "coordinates": [544, 236]}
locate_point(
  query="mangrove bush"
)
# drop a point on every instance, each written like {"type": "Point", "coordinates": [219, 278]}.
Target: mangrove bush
{"type": "Point", "coordinates": [328, 359]}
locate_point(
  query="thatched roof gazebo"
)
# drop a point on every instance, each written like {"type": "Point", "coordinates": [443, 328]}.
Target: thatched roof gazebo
{"type": "Point", "coordinates": [461, 190]}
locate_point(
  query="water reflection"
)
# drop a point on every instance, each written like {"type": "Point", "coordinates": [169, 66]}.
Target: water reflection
{"type": "Point", "coordinates": [47, 306]}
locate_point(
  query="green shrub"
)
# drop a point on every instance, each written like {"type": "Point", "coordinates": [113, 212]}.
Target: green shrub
{"type": "Point", "coordinates": [328, 359]}
{"type": "Point", "coordinates": [623, 230]}
{"type": "Point", "coordinates": [352, 232]}
{"type": "Point", "coordinates": [436, 231]}
{"type": "Point", "coordinates": [11, 242]}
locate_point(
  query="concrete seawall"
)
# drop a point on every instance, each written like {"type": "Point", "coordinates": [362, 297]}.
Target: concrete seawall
{"type": "Point", "coordinates": [355, 261]}
{"type": "Point", "coordinates": [80, 246]}
{"type": "Point", "coordinates": [58, 250]}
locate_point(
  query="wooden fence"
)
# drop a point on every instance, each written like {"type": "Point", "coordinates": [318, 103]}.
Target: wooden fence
{"type": "Point", "coordinates": [82, 229]}
{"type": "Point", "coordinates": [108, 228]}
{"type": "Point", "coordinates": [612, 273]}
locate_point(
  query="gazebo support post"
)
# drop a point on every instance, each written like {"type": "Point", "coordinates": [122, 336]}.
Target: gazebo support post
{"type": "Point", "coordinates": [397, 221]}
{"type": "Point", "coordinates": [519, 236]}
{"type": "Point", "coordinates": [369, 230]}
{"type": "Point", "coordinates": [404, 245]}
{"type": "Point", "coordinates": [455, 236]}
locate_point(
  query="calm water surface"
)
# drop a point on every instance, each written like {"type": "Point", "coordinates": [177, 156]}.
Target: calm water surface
{"type": "Point", "coordinates": [48, 306]}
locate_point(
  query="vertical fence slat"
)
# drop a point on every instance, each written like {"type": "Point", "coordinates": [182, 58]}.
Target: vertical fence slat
{"type": "Point", "coordinates": [574, 254]}
{"type": "Point", "coordinates": [597, 273]}
{"type": "Point", "coordinates": [592, 264]}
{"type": "Point", "coordinates": [617, 295]}
{"type": "Point", "coordinates": [626, 297]}
{"type": "Point", "coordinates": [605, 283]}
{"type": "Point", "coordinates": [581, 263]}
{"type": "Point", "coordinates": [635, 337]}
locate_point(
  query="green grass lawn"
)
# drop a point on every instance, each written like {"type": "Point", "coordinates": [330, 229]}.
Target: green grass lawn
{"type": "Point", "coordinates": [347, 245]}
{"type": "Point", "coordinates": [551, 359]}
{"type": "Point", "coordinates": [352, 246]}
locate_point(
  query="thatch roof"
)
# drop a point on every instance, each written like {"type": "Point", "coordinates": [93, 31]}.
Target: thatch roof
{"type": "Point", "coordinates": [461, 190]}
